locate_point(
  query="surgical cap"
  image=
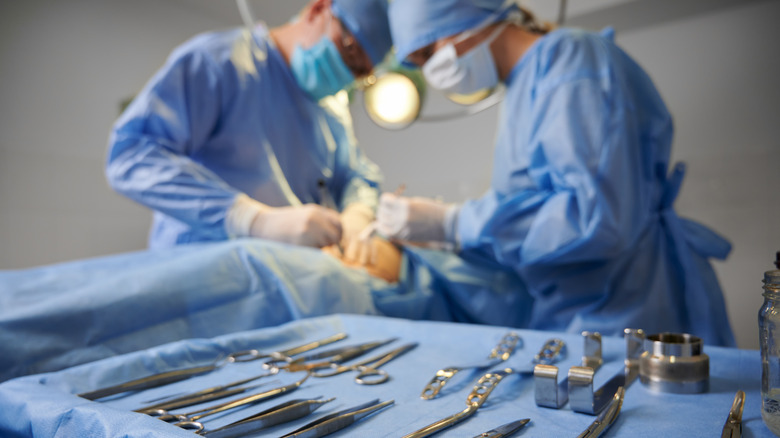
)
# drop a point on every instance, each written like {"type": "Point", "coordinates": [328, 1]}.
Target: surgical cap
{"type": "Point", "coordinates": [415, 24]}
{"type": "Point", "coordinates": [367, 21]}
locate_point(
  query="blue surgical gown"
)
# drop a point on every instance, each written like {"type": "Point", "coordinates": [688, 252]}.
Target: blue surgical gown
{"type": "Point", "coordinates": [581, 198]}
{"type": "Point", "coordinates": [224, 115]}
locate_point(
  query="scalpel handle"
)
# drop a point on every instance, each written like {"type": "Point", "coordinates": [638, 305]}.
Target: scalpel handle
{"type": "Point", "coordinates": [148, 382]}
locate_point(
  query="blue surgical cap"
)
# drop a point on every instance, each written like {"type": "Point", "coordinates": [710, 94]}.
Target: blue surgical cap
{"type": "Point", "coordinates": [367, 20]}
{"type": "Point", "coordinates": [417, 23]}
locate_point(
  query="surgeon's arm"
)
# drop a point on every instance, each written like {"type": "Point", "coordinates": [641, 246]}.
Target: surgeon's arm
{"type": "Point", "coordinates": [150, 145]}
{"type": "Point", "coordinates": [589, 193]}
{"type": "Point", "coordinates": [356, 183]}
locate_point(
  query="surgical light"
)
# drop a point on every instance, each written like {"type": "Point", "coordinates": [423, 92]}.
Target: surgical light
{"type": "Point", "coordinates": [394, 101]}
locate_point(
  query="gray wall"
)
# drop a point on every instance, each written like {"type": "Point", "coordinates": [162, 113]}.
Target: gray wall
{"type": "Point", "coordinates": [65, 66]}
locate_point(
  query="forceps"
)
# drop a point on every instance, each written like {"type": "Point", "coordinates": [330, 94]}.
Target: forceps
{"type": "Point", "coordinates": [165, 378]}
{"type": "Point", "coordinates": [335, 356]}
{"type": "Point", "coordinates": [184, 419]}
{"type": "Point", "coordinates": [280, 414]}
{"type": "Point", "coordinates": [505, 430]}
{"type": "Point", "coordinates": [368, 370]}
{"type": "Point", "coordinates": [733, 426]}
{"type": "Point", "coordinates": [338, 420]}
{"type": "Point", "coordinates": [206, 395]}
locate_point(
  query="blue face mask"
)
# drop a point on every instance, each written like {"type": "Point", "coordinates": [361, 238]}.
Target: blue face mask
{"type": "Point", "coordinates": [319, 70]}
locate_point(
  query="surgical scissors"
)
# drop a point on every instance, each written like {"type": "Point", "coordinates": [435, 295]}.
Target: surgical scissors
{"type": "Point", "coordinates": [368, 370]}
{"type": "Point", "coordinates": [167, 377]}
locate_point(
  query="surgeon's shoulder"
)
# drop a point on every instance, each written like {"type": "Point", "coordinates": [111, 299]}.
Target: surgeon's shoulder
{"type": "Point", "coordinates": [575, 52]}
{"type": "Point", "coordinates": [214, 45]}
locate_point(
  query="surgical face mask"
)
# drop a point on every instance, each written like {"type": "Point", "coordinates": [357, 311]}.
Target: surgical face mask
{"type": "Point", "coordinates": [473, 72]}
{"type": "Point", "coordinates": [319, 70]}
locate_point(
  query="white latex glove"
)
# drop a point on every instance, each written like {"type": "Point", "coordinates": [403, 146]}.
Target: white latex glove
{"type": "Point", "coordinates": [305, 225]}
{"type": "Point", "coordinates": [413, 219]}
{"type": "Point", "coordinates": [354, 219]}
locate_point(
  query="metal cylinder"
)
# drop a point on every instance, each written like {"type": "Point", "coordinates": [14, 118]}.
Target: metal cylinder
{"type": "Point", "coordinates": [674, 362]}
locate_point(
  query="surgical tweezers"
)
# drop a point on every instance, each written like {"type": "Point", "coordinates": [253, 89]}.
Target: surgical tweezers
{"type": "Point", "coordinates": [505, 430]}
{"type": "Point", "coordinates": [733, 426]}
{"type": "Point", "coordinates": [165, 378]}
{"type": "Point", "coordinates": [216, 409]}
{"type": "Point", "coordinates": [199, 397]}
{"type": "Point", "coordinates": [338, 420]}
{"type": "Point", "coordinates": [279, 414]}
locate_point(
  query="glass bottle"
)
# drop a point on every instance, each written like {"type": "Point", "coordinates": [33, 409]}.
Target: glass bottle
{"type": "Point", "coordinates": [769, 333]}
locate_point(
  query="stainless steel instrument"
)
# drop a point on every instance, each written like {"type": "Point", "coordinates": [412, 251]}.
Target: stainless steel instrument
{"type": "Point", "coordinates": [505, 430]}
{"type": "Point", "coordinates": [474, 401]}
{"type": "Point", "coordinates": [500, 353]}
{"type": "Point", "coordinates": [733, 426]}
{"type": "Point", "coordinates": [165, 378]}
{"type": "Point", "coordinates": [279, 414]}
{"type": "Point", "coordinates": [338, 420]}
{"type": "Point", "coordinates": [675, 363]}
{"type": "Point", "coordinates": [607, 417]}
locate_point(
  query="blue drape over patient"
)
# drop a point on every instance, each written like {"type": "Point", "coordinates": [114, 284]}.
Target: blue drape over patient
{"type": "Point", "coordinates": [224, 115]}
{"type": "Point", "coordinates": [57, 316]}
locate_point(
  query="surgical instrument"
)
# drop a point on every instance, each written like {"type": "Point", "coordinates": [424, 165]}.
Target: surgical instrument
{"type": "Point", "coordinates": [550, 393]}
{"type": "Point", "coordinates": [733, 426]}
{"type": "Point", "coordinates": [221, 389]}
{"type": "Point", "coordinates": [167, 377]}
{"type": "Point", "coordinates": [605, 420]}
{"type": "Point", "coordinates": [197, 398]}
{"type": "Point", "coordinates": [279, 414]}
{"type": "Point", "coordinates": [674, 362]}
{"type": "Point", "coordinates": [338, 420]}
{"type": "Point", "coordinates": [368, 370]}
{"type": "Point", "coordinates": [582, 397]}
{"type": "Point", "coordinates": [331, 357]}
{"type": "Point", "coordinates": [504, 431]}
{"type": "Point", "coordinates": [474, 401]}
{"type": "Point", "coordinates": [245, 401]}
{"type": "Point", "coordinates": [499, 354]}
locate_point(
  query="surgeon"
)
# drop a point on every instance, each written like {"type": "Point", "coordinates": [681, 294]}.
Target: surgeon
{"type": "Point", "coordinates": [241, 133]}
{"type": "Point", "coordinates": [581, 198]}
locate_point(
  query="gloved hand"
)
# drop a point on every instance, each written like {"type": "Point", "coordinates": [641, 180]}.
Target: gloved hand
{"type": "Point", "coordinates": [306, 225]}
{"type": "Point", "coordinates": [354, 219]}
{"type": "Point", "coordinates": [414, 219]}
